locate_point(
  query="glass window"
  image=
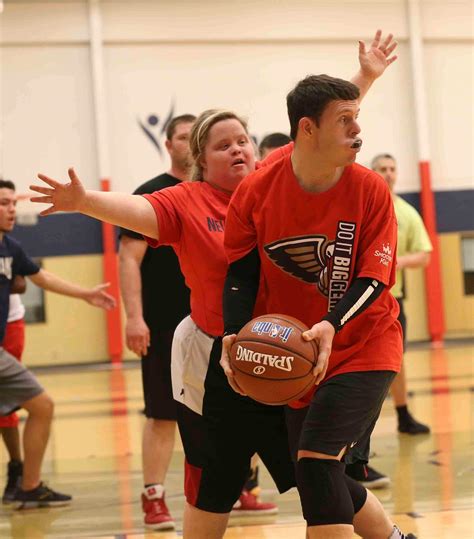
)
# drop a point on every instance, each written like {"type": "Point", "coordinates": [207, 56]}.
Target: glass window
{"type": "Point", "coordinates": [467, 246]}
{"type": "Point", "coordinates": [33, 300]}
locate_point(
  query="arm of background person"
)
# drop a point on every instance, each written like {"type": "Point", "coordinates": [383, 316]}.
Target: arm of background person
{"type": "Point", "coordinates": [95, 296]}
{"type": "Point", "coordinates": [128, 211]}
{"type": "Point", "coordinates": [418, 251]}
{"type": "Point", "coordinates": [414, 260]}
{"type": "Point", "coordinates": [374, 61]}
{"type": "Point", "coordinates": [18, 285]}
{"type": "Point", "coordinates": [137, 333]}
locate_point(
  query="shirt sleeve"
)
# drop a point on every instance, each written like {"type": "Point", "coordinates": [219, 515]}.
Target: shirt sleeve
{"type": "Point", "coordinates": [240, 236]}
{"type": "Point", "coordinates": [418, 239]}
{"type": "Point", "coordinates": [22, 263]}
{"type": "Point", "coordinates": [167, 204]}
{"type": "Point", "coordinates": [378, 236]}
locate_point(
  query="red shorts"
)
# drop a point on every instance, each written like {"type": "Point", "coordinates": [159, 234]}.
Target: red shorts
{"type": "Point", "coordinates": [14, 344]}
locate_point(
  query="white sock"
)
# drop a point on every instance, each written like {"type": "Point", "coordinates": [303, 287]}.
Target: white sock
{"type": "Point", "coordinates": [396, 534]}
{"type": "Point", "coordinates": [154, 492]}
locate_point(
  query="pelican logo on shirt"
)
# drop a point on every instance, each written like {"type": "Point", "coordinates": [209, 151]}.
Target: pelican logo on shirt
{"type": "Point", "coordinates": [303, 257]}
{"type": "Point", "coordinates": [6, 263]}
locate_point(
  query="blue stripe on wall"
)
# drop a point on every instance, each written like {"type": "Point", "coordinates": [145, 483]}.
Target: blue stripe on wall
{"type": "Point", "coordinates": [75, 234]}
{"type": "Point", "coordinates": [454, 209]}
{"type": "Point", "coordinates": [61, 234]}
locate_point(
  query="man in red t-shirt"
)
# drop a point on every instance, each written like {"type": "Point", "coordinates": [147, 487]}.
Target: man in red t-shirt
{"type": "Point", "coordinates": [321, 232]}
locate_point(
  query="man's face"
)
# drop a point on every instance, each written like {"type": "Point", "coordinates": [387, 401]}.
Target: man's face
{"type": "Point", "coordinates": [7, 209]}
{"type": "Point", "coordinates": [178, 146]}
{"type": "Point", "coordinates": [387, 168]}
{"type": "Point", "coordinates": [337, 132]}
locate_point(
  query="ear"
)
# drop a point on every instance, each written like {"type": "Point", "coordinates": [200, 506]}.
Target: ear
{"type": "Point", "coordinates": [168, 144]}
{"type": "Point", "coordinates": [306, 126]}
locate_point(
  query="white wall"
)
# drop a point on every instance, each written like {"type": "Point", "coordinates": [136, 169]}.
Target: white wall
{"type": "Point", "coordinates": [200, 54]}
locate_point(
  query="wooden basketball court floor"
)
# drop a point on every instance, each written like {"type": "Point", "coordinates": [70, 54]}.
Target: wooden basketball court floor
{"type": "Point", "coordinates": [94, 454]}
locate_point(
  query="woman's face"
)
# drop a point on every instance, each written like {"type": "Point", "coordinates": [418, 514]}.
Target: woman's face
{"type": "Point", "coordinates": [228, 156]}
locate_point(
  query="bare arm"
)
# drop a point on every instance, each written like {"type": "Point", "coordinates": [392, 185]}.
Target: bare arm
{"type": "Point", "coordinates": [95, 296]}
{"type": "Point", "coordinates": [414, 260]}
{"type": "Point", "coordinates": [128, 211]}
{"type": "Point", "coordinates": [18, 285]}
{"type": "Point", "coordinates": [137, 333]}
{"type": "Point", "coordinates": [373, 62]}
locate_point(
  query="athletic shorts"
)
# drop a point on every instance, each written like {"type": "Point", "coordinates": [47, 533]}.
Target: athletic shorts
{"type": "Point", "coordinates": [14, 344]}
{"type": "Point", "coordinates": [17, 384]}
{"type": "Point", "coordinates": [220, 429]}
{"type": "Point", "coordinates": [342, 413]}
{"type": "Point", "coordinates": [189, 364]}
{"type": "Point", "coordinates": [156, 377]}
{"type": "Point", "coordinates": [403, 321]}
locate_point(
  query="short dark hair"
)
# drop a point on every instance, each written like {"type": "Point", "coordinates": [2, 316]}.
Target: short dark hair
{"type": "Point", "coordinates": [273, 140]}
{"type": "Point", "coordinates": [183, 119]}
{"type": "Point", "coordinates": [7, 184]}
{"type": "Point", "coordinates": [373, 163]}
{"type": "Point", "coordinates": [311, 95]}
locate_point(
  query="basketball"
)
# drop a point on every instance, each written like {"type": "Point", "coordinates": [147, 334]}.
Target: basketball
{"type": "Point", "coordinates": [271, 361]}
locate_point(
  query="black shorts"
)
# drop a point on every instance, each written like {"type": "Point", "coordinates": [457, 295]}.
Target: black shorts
{"type": "Point", "coordinates": [156, 377]}
{"type": "Point", "coordinates": [403, 322]}
{"type": "Point", "coordinates": [219, 450]}
{"type": "Point", "coordinates": [342, 413]}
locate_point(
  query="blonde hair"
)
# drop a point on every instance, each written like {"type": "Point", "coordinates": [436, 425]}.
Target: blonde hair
{"type": "Point", "coordinates": [200, 134]}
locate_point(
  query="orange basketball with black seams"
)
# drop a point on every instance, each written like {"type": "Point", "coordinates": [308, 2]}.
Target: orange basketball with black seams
{"type": "Point", "coordinates": [271, 361]}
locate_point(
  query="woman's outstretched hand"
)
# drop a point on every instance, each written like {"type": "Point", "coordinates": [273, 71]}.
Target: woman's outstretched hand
{"type": "Point", "coordinates": [62, 196]}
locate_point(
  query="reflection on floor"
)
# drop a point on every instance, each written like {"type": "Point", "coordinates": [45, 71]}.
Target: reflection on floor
{"type": "Point", "coordinates": [94, 454]}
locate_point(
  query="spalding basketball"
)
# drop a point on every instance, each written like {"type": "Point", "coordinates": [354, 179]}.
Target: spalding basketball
{"type": "Point", "coordinates": [271, 361]}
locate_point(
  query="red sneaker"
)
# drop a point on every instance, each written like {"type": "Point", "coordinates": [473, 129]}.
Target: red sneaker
{"type": "Point", "coordinates": [157, 515]}
{"type": "Point", "coordinates": [249, 504]}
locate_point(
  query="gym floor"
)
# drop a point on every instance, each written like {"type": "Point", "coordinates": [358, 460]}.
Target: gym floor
{"type": "Point", "coordinates": [94, 454]}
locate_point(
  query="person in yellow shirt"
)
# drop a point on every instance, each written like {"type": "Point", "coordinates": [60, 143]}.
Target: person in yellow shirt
{"type": "Point", "coordinates": [413, 251]}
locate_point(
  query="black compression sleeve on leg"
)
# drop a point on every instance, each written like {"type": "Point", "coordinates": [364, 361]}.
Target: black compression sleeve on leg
{"type": "Point", "coordinates": [240, 291]}
{"type": "Point", "coordinates": [325, 498]}
{"type": "Point", "coordinates": [360, 295]}
{"type": "Point", "coordinates": [357, 491]}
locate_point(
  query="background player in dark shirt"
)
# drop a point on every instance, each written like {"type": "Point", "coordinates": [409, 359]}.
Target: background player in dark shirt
{"type": "Point", "coordinates": [156, 299]}
{"type": "Point", "coordinates": [18, 387]}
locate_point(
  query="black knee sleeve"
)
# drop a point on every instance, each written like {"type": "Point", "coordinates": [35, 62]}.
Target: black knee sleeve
{"type": "Point", "coordinates": [325, 497]}
{"type": "Point", "coordinates": [358, 493]}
